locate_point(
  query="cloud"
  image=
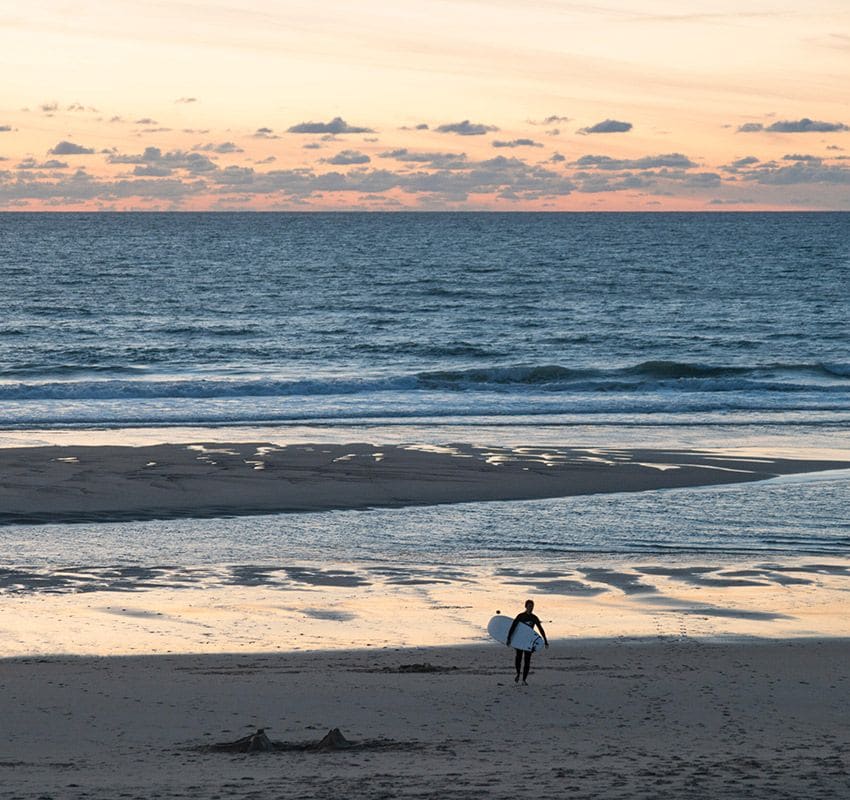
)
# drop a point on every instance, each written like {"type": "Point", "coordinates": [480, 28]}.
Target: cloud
{"type": "Point", "coordinates": [235, 176]}
{"type": "Point", "coordinates": [265, 133]}
{"type": "Point", "coordinates": [833, 147]}
{"type": "Point", "coordinates": [434, 160]}
{"type": "Point", "coordinates": [153, 157]}
{"type": "Point", "coordinates": [422, 126]}
{"type": "Point", "coordinates": [607, 126]}
{"type": "Point", "coordinates": [152, 171]}
{"type": "Point", "coordinates": [145, 121]}
{"type": "Point", "coordinates": [222, 147]}
{"type": "Point", "coordinates": [49, 108]}
{"type": "Point", "coordinates": [65, 148]}
{"type": "Point", "coordinates": [31, 163]}
{"type": "Point", "coordinates": [746, 161]}
{"type": "Point", "coordinates": [5, 128]}
{"type": "Point", "coordinates": [677, 160]}
{"type": "Point", "coordinates": [80, 107]}
{"type": "Point", "coordinates": [336, 126]}
{"type": "Point", "coordinates": [802, 157]}
{"type": "Point", "coordinates": [517, 143]}
{"type": "Point", "coordinates": [312, 146]}
{"type": "Point", "coordinates": [186, 100]}
{"type": "Point", "coordinates": [557, 158]}
{"type": "Point", "coordinates": [804, 125]}
{"type": "Point", "coordinates": [347, 157]}
{"type": "Point", "coordinates": [799, 172]}
{"type": "Point", "coordinates": [553, 119]}
{"type": "Point", "coordinates": [466, 128]}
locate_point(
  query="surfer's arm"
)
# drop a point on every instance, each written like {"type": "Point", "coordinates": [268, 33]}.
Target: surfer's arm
{"type": "Point", "coordinates": [511, 631]}
{"type": "Point", "coordinates": [542, 633]}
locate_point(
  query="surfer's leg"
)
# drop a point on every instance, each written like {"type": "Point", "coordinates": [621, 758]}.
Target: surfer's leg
{"type": "Point", "coordinates": [518, 663]}
{"type": "Point", "coordinates": [526, 666]}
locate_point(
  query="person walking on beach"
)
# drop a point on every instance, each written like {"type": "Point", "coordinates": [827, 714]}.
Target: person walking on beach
{"type": "Point", "coordinates": [523, 657]}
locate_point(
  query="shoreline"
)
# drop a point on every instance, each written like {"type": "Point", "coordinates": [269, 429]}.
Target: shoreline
{"type": "Point", "coordinates": [660, 717]}
{"type": "Point", "coordinates": [109, 483]}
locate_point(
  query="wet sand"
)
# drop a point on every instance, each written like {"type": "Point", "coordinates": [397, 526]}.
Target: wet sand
{"type": "Point", "coordinates": [663, 717]}
{"type": "Point", "coordinates": [114, 483]}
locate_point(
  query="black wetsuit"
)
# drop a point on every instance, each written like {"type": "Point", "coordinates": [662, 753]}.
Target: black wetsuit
{"type": "Point", "coordinates": [523, 657]}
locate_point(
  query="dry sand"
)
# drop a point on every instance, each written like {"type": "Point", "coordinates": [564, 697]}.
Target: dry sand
{"type": "Point", "coordinates": [668, 717]}
{"type": "Point", "coordinates": [77, 484]}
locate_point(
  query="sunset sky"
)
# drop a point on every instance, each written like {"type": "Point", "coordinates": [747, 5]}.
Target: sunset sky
{"type": "Point", "coordinates": [425, 104]}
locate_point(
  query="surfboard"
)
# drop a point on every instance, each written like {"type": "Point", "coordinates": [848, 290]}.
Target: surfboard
{"type": "Point", "coordinates": [524, 637]}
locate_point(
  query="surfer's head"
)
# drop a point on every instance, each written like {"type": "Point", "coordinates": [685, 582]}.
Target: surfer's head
{"type": "Point", "coordinates": [529, 605]}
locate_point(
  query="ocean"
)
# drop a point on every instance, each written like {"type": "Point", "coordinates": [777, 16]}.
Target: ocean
{"type": "Point", "coordinates": [691, 330]}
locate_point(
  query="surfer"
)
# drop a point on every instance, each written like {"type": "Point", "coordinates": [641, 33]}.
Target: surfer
{"type": "Point", "coordinates": [530, 619]}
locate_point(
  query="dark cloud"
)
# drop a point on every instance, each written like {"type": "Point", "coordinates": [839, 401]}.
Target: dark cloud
{"type": "Point", "coordinates": [152, 171]}
{"type": "Point", "coordinates": [677, 160]}
{"type": "Point", "coordinates": [31, 163]}
{"type": "Point", "coordinates": [553, 119]}
{"type": "Point", "coordinates": [265, 133]}
{"type": "Point", "coordinates": [186, 100]}
{"type": "Point", "coordinates": [746, 161]}
{"type": "Point", "coordinates": [267, 160]}
{"type": "Point", "coordinates": [802, 157]}
{"type": "Point", "coordinates": [466, 128]}
{"type": "Point", "coordinates": [607, 126]}
{"type": "Point", "coordinates": [5, 128]}
{"type": "Point", "coordinates": [312, 146]}
{"type": "Point", "coordinates": [336, 126]}
{"type": "Point", "coordinates": [80, 186]}
{"type": "Point", "coordinates": [422, 126]}
{"type": "Point", "coordinates": [235, 176]}
{"type": "Point", "coordinates": [49, 108]}
{"type": "Point", "coordinates": [833, 147]}
{"type": "Point", "coordinates": [800, 172]}
{"type": "Point", "coordinates": [145, 121]}
{"type": "Point", "coordinates": [153, 157]}
{"type": "Point", "coordinates": [557, 158]}
{"type": "Point", "coordinates": [434, 160]}
{"type": "Point", "coordinates": [348, 157]}
{"type": "Point", "coordinates": [719, 202]}
{"type": "Point", "coordinates": [804, 125]}
{"type": "Point", "coordinates": [65, 148]}
{"type": "Point", "coordinates": [517, 143]}
{"type": "Point", "coordinates": [222, 147]}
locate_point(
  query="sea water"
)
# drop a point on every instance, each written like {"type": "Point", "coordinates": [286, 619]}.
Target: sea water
{"type": "Point", "coordinates": [698, 330]}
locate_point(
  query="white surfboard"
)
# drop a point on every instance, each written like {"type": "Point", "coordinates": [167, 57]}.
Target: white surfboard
{"type": "Point", "coordinates": [524, 637]}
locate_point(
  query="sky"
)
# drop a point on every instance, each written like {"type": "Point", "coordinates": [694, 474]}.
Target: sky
{"type": "Point", "coordinates": [425, 105]}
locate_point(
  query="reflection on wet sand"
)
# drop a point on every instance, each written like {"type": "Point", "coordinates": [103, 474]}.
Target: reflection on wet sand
{"type": "Point", "coordinates": [87, 609]}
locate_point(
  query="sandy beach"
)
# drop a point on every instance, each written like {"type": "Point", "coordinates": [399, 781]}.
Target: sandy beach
{"type": "Point", "coordinates": [665, 717]}
{"type": "Point", "coordinates": [91, 484]}
{"type": "Point", "coordinates": [670, 675]}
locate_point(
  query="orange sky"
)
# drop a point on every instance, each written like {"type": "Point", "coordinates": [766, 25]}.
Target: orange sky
{"type": "Point", "coordinates": [426, 104]}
